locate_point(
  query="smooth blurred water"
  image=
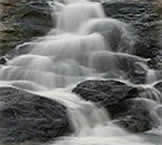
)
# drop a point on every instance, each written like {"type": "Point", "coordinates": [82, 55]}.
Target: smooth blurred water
{"type": "Point", "coordinates": [85, 44]}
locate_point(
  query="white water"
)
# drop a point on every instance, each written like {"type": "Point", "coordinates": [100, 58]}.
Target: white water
{"type": "Point", "coordinates": [74, 15]}
{"type": "Point", "coordinates": [115, 32]}
{"type": "Point", "coordinates": [151, 76]}
{"type": "Point", "coordinates": [79, 50]}
{"type": "Point", "coordinates": [92, 124]}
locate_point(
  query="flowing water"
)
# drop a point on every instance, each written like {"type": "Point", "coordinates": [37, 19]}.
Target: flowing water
{"type": "Point", "coordinates": [84, 45]}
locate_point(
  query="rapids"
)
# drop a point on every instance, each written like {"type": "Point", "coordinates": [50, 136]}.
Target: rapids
{"type": "Point", "coordinates": [85, 45]}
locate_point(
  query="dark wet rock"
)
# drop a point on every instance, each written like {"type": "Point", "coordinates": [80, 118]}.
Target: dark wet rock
{"type": "Point", "coordinates": [156, 62]}
{"type": "Point", "coordinates": [137, 118]}
{"type": "Point", "coordinates": [105, 92]}
{"type": "Point", "coordinates": [137, 73]}
{"type": "Point", "coordinates": [142, 15]}
{"type": "Point", "coordinates": [22, 20]}
{"type": "Point", "coordinates": [137, 115]}
{"type": "Point", "coordinates": [149, 98]}
{"type": "Point", "coordinates": [109, 93]}
{"type": "Point", "coordinates": [130, 105]}
{"type": "Point", "coordinates": [28, 117]}
{"type": "Point", "coordinates": [3, 60]}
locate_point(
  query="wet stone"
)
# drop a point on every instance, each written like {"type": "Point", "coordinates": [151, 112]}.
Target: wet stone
{"type": "Point", "coordinates": [29, 117]}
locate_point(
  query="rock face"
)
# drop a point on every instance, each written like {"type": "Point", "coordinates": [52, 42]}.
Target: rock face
{"type": "Point", "coordinates": [3, 60]}
{"type": "Point", "coordinates": [104, 92]}
{"type": "Point", "coordinates": [142, 15]}
{"type": "Point", "coordinates": [21, 20]}
{"type": "Point", "coordinates": [29, 117]}
{"type": "Point", "coordinates": [137, 115]}
{"type": "Point", "coordinates": [119, 99]}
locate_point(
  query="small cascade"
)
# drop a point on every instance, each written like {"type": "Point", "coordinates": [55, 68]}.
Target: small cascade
{"type": "Point", "coordinates": [91, 124]}
{"type": "Point", "coordinates": [150, 92]}
{"type": "Point", "coordinates": [55, 61]}
{"type": "Point", "coordinates": [71, 1]}
{"type": "Point", "coordinates": [115, 32]}
{"type": "Point", "coordinates": [74, 15]}
{"type": "Point", "coordinates": [151, 76]}
{"type": "Point", "coordinates": [84, 115]}
{"type": "Point", "coordinates": [118, 64]}
{"type": "Point", "coordinates": [49, 80]}
{"type": "Point", "coordinates": [35, 62]}
{"type": "Point", "coordinates": [85, 44]}
{"type": "Point", "coordinates": [70, 47]}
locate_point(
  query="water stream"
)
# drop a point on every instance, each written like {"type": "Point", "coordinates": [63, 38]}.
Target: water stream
{"type": "Point", "coordinates": [85, 44]}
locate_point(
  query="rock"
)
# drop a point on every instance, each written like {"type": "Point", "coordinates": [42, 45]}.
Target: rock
{"type": "Point", "coordinates": [23, 20]}
{"type": "Point", "coordinates": [3, 60]}
{"type": "Point", "coordinates": [142, 15]}
{"type": "Point", "coordinates": [128, 106]}
{"type": "Point", "coordinates": [137, 115]}
{"type": "Point", "coordinates": [138, 72]}
{"type": "Point", "coordinates": [105, 92]}
{"type": "Point", "coordinates": [29, 117]}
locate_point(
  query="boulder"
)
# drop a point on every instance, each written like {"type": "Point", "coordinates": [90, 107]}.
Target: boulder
{"type": "Point", "coordinates": [29, 117]}
{"type": "Point", "coordinates": [3, 60]}
{"type": "Point", "coordinates": [128, 105]}
{"type": "Point", "coordinates": [105, 92]}
{"type": "Point", "coordinates": [23, 20]}
{"type": "Point", "coordinates": [142, 15]}
{"type": "Point", "coordinates": [138, 115]}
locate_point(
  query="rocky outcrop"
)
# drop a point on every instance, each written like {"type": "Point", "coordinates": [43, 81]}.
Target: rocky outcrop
{"type": "Point", "coordinates": [105, 93]}
{"type": "Point", "coordinates": [128, 106]}
{"type": "Point", "coordinates": [22, 20]}
{"type": "Point", "coordinates": [137, 115]}
{"type": "Point", "coordinates": [3, 60]}
{"type": "Point", "coordinates": [29, 117]}
{"type": "Point", "coordinates": [142, 15]}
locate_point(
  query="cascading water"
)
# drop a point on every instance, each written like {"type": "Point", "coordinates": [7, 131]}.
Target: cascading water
{"type": "Point", "coordinates": [151, 76]}
{"type": "Point", "coordinates": [79, 50]}
{"type": "Point", "coordinates": [115, 33]}
{"type": "Point", "coordinates": [78, 13]}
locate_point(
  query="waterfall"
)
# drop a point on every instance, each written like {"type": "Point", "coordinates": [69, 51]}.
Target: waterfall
{"type": "Point", "coordinates": [115, 33]}
{"type": "Point", "coordinates": [84, 44]}
{"type": "Point", "coordinates": [92, 125]}
{"type": "Point", "coordinates": [151, 76]}
{"type": "Point", "coordinates": [74, 15]}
